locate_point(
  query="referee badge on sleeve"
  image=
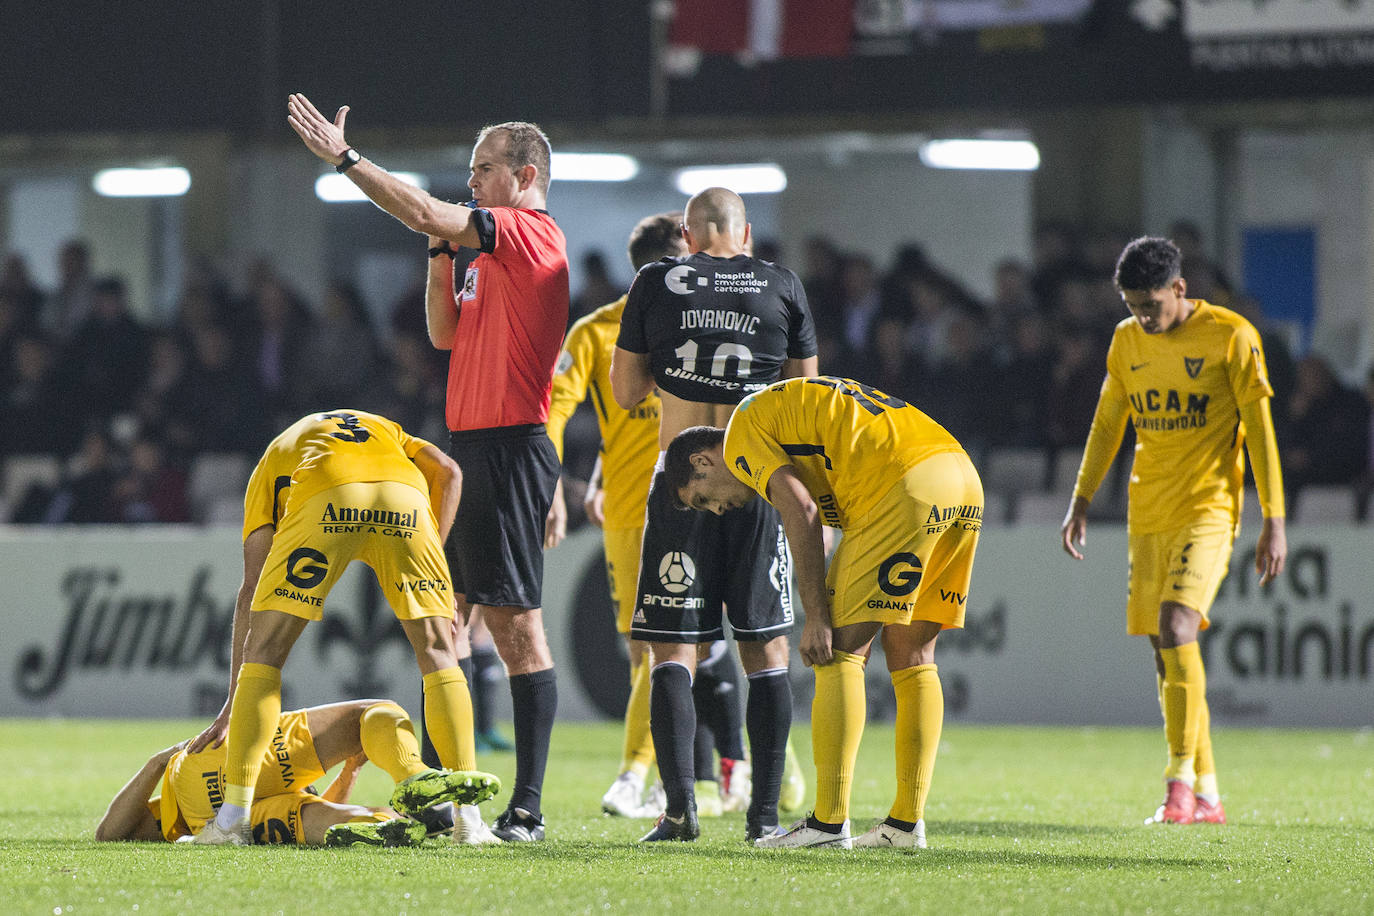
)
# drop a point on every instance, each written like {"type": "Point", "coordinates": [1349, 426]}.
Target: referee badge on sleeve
{"type": "Point", "coordinates": [470, 284]}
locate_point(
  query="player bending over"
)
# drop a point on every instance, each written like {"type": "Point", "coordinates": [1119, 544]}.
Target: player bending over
{"type": "Point", "coordinates": [834, 452]}
{"type": "Point", "coordinates": [332, 488]}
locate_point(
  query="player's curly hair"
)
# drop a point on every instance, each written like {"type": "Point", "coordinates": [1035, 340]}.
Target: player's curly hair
{"type": "Point", "coordinates": [526, 144]}
{"type": "Point", "coordinates": [677, 461]}
{"type": "Point", "coordinates": [1148, 263]}
{"type": "Point", "coordinates": [657, 236]}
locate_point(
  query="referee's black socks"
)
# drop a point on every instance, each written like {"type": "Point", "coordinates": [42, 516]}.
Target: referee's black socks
{"type": "Point", "coordinates": [534, 703]}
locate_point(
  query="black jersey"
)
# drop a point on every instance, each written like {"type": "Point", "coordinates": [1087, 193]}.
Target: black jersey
{"type": "Point", "coordinates": [716, 329]}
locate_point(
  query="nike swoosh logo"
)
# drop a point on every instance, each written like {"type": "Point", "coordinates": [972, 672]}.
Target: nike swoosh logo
{"type": "Point", "coordinates": [1179, 588]}
{"type": "Point", "coordinates": [1135, 366]}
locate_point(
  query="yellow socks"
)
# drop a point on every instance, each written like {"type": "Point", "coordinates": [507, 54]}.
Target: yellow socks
{"type": "Point", "coordinates": [448, 718]}
{"type": "Point", "coordinates": [1185, 686]}
{"type": "Point", "coordinates": [252, 721]}
{"type": "Point", "coordinates": [389, 740]}
{"type": "Point", "coordinates": [638, 755]}
{"type": "Point", "coordinates": [837, 724]}
{"type": "Point", "coordinates": [920, 718]}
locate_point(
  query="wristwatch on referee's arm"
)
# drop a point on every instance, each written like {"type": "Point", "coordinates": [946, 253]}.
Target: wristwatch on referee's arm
{"type": "Point", "coordinates": [443, 248]}
{"type": "Point", "coordinates": [351, 157]}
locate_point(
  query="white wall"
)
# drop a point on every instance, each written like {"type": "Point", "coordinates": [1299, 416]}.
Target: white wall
{"type": "Point", "coordinates": [967, 221]}
{"type": "Point", "coordinates": [1322, 180]}
{"type": "Point", "coordinates": [1180, 180]}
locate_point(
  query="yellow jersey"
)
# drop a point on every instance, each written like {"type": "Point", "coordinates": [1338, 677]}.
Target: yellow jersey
{"type": "Point", "coordinates": [1183, 391]}
{"type": "Point", "coordinates": [629, 438]}
{"type": "Point", "coordinates": [848, 443]}
{"type": "Point", "coordinates": [323, 450]}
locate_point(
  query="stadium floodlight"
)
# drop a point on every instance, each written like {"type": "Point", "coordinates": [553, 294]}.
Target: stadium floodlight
{"type": "Point", "coordinates": [593, 167]}
{"type": "Point", "coordinates": [756, 178]}
{"type": "Point", "coordinates": [164, 181]}
{"type": "Point", "coordinates": [337, 189]}
{"type": "Point", "coordinates": [1004, 155]}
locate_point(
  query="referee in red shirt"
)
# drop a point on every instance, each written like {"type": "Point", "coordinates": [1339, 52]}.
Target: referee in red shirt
{"type": "Point", "coordinates": [504, 326]}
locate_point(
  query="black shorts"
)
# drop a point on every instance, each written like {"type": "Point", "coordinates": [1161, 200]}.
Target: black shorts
{"type": "Point", "coordinates": [693, 562]}
{"type": "Point", "coordinates": [496, 549]}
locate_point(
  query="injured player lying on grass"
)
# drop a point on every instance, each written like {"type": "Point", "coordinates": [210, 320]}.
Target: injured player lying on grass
{"type": "Point", "coordinates": [286, 809]}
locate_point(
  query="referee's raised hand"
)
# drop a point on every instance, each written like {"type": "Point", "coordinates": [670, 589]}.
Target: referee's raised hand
{"type": "Point", "coordinates": [322, 137]}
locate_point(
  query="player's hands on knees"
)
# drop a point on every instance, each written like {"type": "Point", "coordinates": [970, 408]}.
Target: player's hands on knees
{"type": "Point", "coordinates": [816, 647]}
{"type": "Point", "coordinates": [214, 735]}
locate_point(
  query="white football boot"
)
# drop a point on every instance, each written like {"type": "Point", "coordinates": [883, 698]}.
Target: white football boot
{"type": "Point", "coordinates": [470, 830]}
{"type": "Point", "coordinates": [884, 835]}
{"type": "Point", "coordinates": [801, 835]}
{"type": "Point", "coordinates": [622, 798]}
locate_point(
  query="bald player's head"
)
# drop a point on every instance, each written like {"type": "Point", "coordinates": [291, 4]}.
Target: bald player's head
{"type": "Point", "coordinates": [714, 217]}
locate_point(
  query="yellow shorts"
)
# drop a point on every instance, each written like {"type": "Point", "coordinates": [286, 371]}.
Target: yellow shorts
{"type": "Point", "coordinates": [622, 570]}
{"type": "Point", "coordinates": [387, 525]}
{"type": "Point", "coordinates": [277, 818]}
{"type": "Point", "coordinates": [195, 781]}
{"type": "Point", "coordinates": [911, 557]}
{"type": "Point", "coordinates": [1185, 566]}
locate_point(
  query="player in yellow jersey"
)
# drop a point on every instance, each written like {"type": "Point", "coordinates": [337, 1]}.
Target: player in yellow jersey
{"type": "Point", "coordinates": [306, 744]}
{"type": "Point", "coordinates": [619, 486]}
{"type": "Point", "coordinates": [834, 452]}
{"type": "Point", "coordinates": [332, 488]}
{"type": "Point", "coordinates": [1190, 377]}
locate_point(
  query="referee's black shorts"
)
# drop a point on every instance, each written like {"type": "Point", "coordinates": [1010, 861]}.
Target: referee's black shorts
{"type": "Point", "coordinates": [496, 548]}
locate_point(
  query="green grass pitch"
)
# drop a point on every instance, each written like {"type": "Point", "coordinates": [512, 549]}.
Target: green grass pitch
{"type": "Point", "coordinates": [1020, 820]}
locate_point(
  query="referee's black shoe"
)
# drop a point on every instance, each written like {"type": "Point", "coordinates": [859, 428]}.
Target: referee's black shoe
{"type": "Point", "coordinates": [516, 825]}
{"type": "Point", "coordinates": [667, 827]}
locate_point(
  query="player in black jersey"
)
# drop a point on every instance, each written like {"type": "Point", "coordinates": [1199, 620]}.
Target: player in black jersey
{"type": "Point", "coordinates": [708, 329]}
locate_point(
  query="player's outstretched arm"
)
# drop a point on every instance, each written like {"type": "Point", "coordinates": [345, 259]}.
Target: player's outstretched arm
{"type": "Point", "coordinates": [255, 549]}
{"type": "Point", "coordinates": [416, 209]}
{"type": "Point", "coordinates": [801, 521]}
{"type": "Point", "coordinates": [445, 485]}
{"type": "Point", "coordinates": [1073, 533]}
{"type": "Point", "coordinates": [128, 817]}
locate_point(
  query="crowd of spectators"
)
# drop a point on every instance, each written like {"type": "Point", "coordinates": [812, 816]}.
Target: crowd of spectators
{"type": "Point", "coordinates": [128, 405]}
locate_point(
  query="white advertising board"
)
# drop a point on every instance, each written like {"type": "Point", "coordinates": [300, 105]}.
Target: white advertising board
{"type": "Point", "coordinates": [1237, 18]}
{"type": "Point", "coordinates": [134, 623]}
